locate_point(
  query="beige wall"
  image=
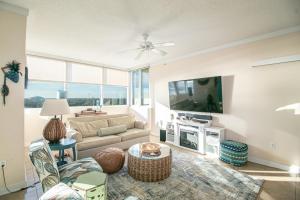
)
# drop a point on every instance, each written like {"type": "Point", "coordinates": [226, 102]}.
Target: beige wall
{"type": "Point", "coordinates": [251, 95]}
{"type": "Point", "coordinates": [34, 123]}
{"type": "Point", "coordinates": [12, 47]}
{"type": "Point", "coordinates": [141, 113]}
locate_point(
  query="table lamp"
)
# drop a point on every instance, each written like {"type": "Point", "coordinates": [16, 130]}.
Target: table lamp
{"type": "Point", "coordinates": [55, 129]}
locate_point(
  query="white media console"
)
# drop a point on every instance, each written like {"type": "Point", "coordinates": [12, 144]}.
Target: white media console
{"type": "Point", "coordinates": [196, 135]}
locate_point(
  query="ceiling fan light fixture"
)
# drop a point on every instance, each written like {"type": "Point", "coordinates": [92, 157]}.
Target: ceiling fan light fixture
{"type": "Point", "coordinates": [147, 47]}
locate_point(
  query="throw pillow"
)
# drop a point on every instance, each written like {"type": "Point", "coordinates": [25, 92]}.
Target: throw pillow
{"type": "Point", "coordinates": [89, 129]}
{"type": "Point", "coordinates": [112, 130]}
{"type": "Point", "coordinates": [125, 120]}
{"type": "Point", "coordinates": [61, 192]}
{"type": "Point", "coordinates": [139, 124]}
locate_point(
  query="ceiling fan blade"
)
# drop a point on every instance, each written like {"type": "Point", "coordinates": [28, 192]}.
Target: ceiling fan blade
{"type": "Point", "coordinates": [164, 44]}
{"type": "Point", "coordinates": [139, 54]}
{"type": "Point", "coordinates": [128, 50]}
{"type": "Point", "coordinates": [158, 51]}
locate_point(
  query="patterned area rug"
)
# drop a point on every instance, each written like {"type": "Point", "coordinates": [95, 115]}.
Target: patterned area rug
{"type": "Point", "coordinates": [191, 178]}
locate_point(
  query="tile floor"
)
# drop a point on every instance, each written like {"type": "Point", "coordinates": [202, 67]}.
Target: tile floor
{"type": "Point", "coordinates": [278, 185]}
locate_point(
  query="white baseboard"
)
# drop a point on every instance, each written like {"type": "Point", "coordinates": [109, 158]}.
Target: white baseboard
{"type": "Point", "coordinates": [13, 187]}
{"type": "Point", "coordinates": [268, 163]}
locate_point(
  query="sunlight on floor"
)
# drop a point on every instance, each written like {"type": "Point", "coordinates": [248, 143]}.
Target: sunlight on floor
{"type": "Point", "coordinates": [265, 172]}
{"type": "Point", "coordinates": [277, 178]}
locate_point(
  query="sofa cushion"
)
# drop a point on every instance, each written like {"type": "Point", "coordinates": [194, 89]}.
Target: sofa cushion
{"type": "Point", "coordinates": [133, 133]}
{"type": "Point", "coordinates": [89, 129]}
{"type": "Point", "coordinates": [70, 172]}
{"type": "Point", "coordinates": [125, 120]}
{"type": "Point", "coordinates": [92, 142]}
{"type": "Point", "coordinates": [112, 130]}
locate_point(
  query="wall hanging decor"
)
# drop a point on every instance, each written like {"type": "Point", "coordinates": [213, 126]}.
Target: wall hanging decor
{"type": "Point", "coordinates": [11, 71]}
{"type": "Point", "coordinates": [4, 91]}
{"type": "Point", "coordinates": [26, 78]}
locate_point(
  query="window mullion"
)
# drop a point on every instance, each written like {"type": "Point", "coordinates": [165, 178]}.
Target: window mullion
{"type": "Point", "coordinates": [140, 87]}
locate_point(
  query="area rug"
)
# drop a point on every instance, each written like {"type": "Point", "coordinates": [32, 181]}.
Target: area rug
{"type": "Point", "coordinates": [192, 178]}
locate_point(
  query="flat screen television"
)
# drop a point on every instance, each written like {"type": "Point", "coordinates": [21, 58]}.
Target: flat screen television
{"type": "Point", "coordinates": [197, 95]}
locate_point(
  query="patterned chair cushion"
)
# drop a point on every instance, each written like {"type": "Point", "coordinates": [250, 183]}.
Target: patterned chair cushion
{"type": "Point", "coordinates": [69, 173]}
{"type": "Point", "coordinates": [61, 192]}
{"type": "Point", "coordinates": [45, 164]}
{"type": "Point", "coordinates": [234, 145]}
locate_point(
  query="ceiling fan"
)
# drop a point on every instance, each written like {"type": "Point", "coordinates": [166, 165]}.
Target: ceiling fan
{"type": "Point", "coordinates": [148, 46]}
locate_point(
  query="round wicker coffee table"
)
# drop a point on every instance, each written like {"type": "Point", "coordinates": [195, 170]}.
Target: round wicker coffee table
{"type": "Point", "coordinates": [149, 168]}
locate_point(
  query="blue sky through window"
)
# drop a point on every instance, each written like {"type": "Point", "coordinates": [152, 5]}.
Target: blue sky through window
{"type": "Point", "coordinates": [43, 89]}
{"type": "Point", "coordinates": [78, 94]}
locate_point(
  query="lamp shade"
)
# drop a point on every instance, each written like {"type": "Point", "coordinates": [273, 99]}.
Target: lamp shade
{"type": "Point", "coordinates": [55, 107]}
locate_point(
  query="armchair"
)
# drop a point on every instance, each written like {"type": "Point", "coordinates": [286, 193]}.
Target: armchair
{"type": "Point", "coordinates": [50, 175]}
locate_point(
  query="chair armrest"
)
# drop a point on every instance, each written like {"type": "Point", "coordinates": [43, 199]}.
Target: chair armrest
{"type": "Point", "coordinates": [61, 192]}
{"type": "Point", "coordinates": [140, 124]}
{"type": "Point", "coordinates": [75, 135]}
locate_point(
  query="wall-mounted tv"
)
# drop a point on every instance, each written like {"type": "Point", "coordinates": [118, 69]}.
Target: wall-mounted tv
{"type": "Point", "coordinates": [197, 95]}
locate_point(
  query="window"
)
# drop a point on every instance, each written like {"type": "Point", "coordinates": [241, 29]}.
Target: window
{"type": "Point", "coordinates": [114, 95]}
{"type": "Point", "coordinates": [83, 94]}
{"type": "Point", "coordinates": [116, 77]}
{"type": "Point", "coordinates": [38, 91]}
{"type": "Point", "coordinates": [136, 87]}
{"type": "Point", "coordinates": [140, 87]}
{"type": "Point", "coordinates": [46, 69]}
{"type": "Point", "coordinates": [145, 87]}
{"type": "Point", "coordinates": [80, 84]}
{"type": "Point", "coordinates": [85, 74]}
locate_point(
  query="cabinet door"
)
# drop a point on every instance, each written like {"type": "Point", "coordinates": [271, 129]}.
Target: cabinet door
{"type": "Point", "coordinates": [201, 142]}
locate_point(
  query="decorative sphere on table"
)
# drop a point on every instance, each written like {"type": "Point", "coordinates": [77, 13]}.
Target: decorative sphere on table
{"type": "Point", "coordinates": [54, 130]}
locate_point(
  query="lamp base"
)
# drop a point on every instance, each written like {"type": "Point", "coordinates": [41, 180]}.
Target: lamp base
{"type": "Point", "coordinates": [54, 130]}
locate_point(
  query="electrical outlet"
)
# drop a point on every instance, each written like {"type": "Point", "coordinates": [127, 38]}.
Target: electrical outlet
{"type": "Point", "coordinates": [2, 163]}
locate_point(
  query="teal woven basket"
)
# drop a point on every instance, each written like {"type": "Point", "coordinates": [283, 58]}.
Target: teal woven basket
{"type": "Point", "coordinates": [233, 152]}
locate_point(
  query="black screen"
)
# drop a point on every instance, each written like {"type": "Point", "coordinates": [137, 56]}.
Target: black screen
{"type": "Point", "coordinates": [198, 95]}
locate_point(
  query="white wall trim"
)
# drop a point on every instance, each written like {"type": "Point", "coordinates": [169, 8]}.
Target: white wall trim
{"type": "Point", "coordinates": [13, 187]}
{"type": "Point", "coordinates": [268, 163]}
{"type": "Point", "coordinates": [13, 8]}
{"type": "Point", "coordinates": [226, 46]}
{"type": "Point", "coordinates": [73, 60]}
{"type": "Point", "coordinates": [279, 60]}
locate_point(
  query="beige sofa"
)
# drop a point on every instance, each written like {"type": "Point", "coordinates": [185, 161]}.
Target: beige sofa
{"type": "Point", "coordinates": [98, 132]}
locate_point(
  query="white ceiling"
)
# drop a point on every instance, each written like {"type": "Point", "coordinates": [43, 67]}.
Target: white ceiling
{"type": "Point", "coordinates": [97, 30]}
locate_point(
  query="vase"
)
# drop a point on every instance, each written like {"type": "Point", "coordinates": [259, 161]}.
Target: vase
{"type": "Point", "coordinates": [54, 130]}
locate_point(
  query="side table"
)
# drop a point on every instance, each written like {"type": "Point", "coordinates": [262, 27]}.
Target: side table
{"type": "Point", "coordinates": [92, 185]}
{"type": "Point", "coordinates": [65, 143]}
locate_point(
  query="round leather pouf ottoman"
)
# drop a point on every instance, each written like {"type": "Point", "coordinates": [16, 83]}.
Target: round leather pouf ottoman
{"type": "Point", "coordinates": [111, 159]}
